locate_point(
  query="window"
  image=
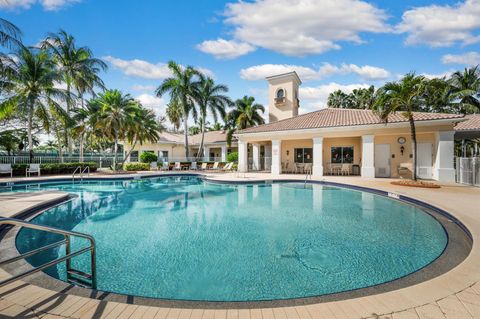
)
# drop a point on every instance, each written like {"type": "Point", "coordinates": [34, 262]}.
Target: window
{"type": "Point", "coordinates": [163, 154]}
{"type": "Point", "coordinates": [303, 155]}
{"type": "Point", "coordinates": [280, 94]}
{"type": "Point", "coordinates": [342, 155]}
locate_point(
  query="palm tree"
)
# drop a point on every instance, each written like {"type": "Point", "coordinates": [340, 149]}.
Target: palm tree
{"type": "Point", "coordinates": [245, 114]}
{"type": "Point", "coordinates": [143, 126]}
{"type": "Point", "coordinates": [33, 92]}
{"type": "Point", "coordinates": [116, 112]}
{"type": "Point", "coordinates": [339, 100]}
{"type": "Point", "coordinates": [439, 97]}
{"type": "Point", "coordinates": [174, 114]}
{"type": "Point", "coordinates": [405, 96]}
{"type": "Point", "coordinates": [362, 98]}
{"type": "Point", "coordinates": [217, 126]}
{"type": "Point", "coordinates": [77, 65]}
{"type": "Point", "coordinates": [10, 35]}
{"type": "Point", "coordinates": [210, 98]}
{"type": "Point", "coordinates": [181, 86]}
{"type": "Point", "coordinates": [466, 89]}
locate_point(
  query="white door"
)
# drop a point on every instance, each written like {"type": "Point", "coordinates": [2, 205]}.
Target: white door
{"type": "Point", "coordinates": [424, 160]}
{"type": "Point", "coordinates": [382, 160]}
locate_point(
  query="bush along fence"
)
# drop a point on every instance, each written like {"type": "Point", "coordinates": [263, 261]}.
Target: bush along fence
{"type": "Point", "coordinates": [54, 168]}
{"type": "Point", "coordinates": [139, 166]}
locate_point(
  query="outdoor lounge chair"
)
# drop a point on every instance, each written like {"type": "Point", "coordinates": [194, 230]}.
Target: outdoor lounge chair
{"type": "Point", "coordinates": [194, 167]}
{"type": "Point", "coordinates": [215, 166]}
{"type": "Point", "coordinates": [177, 167]}
{"type": "Point", "coordinates": [228, 167]}
{"type": "Point", "coordinates": [6, 169]}
{"type": "Point", "coordinates": [32, 168]}
{"type": "Point", "coordinates": [165, 166]}
{"type": "Point", "coordinates": [153, 166]}
{"type": "Point", "coordinates": [204, 166]}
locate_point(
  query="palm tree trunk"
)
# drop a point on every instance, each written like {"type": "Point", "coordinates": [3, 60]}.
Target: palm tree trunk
{"type": "Point", "coordinates": [414, 146]}
{"type": "Point", "coordinates": [59, 141]}
{"type": "Point", "coordinates": [29, 131]}
{"type": "Point", "coordinates": [185, 128]}
{"type": "Point", "coordinates": [129, 152]}
{"type": "Point", "coordinates": [81, 142]}
{"type": "Point", "coordinates": [200, 150]}
{"type": "Point", "coordinates": [115, 153]}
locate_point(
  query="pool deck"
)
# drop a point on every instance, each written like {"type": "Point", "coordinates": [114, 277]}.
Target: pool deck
{"type": "Point", "coordinates": [455, 294]}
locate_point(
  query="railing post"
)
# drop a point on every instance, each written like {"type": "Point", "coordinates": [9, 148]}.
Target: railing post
{"type": "Point", "coordinates": [67, 252]}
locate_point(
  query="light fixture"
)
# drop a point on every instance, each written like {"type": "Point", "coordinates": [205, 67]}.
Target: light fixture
{"type": "Point", "coordinates": [288, 152]}
{"type": "Point", "coordinates": [402, 148]}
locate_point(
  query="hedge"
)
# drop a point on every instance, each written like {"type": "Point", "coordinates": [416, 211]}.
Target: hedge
{"type": "Point", "coordinates": [148, 157]}
{"type": "Point", "coordinates": [135, 166]}
{"type": "Point", "coordinates": [232, 157]}
{"type": "Point", "coordinates": [54, 168]}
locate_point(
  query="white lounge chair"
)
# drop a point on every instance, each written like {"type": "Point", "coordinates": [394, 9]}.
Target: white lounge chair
{"type": "Point", "coordinates": [215, 166]}
{"type": "Point", "coordinates": [32, 168]}
{"type": "Point", "coordinates": [153, 166]}
{"type": "Point", "coordinates": [177, 166]}
{"type": "Point", "coordinates": [193, 166]}
{"type": "Point", "coordinates": [228, 167]}
{"type": "Point", "coordinates": [203, 167]}
{"type": "Point", "coordinates": [6, 169]}
{"type": "Point", "coordinates": [165, 166]}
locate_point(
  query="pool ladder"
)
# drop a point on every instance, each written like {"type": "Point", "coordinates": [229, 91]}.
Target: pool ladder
{"type": "Point", "coordinates": [74, 276]}
{"type": "Point", "coordinates": [81, 172]}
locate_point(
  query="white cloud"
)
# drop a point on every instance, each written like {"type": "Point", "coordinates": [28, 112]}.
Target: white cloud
{"type": "Point", "coordinates": [156, 103]}
{"type": "Point", "coordinates": [445, 74]}
{"type": "Point", "coordinates": [225, 49]}
{"type": "Point", "coordinates": [316, 97]}
{"type": "Point", "coordinates": [302, 27]}
{"type": "Point", "coordinates": [139, 87]}
{"type": "Point", "coordinates": [146, 70]}
{"type": "Point", "coordinates": [442, 26]}
{"type": "Point", "coordinates": [49, 5]}
{"type": "Point", "coordinates": [469, 58]}
{"type": "Point", "coordinates": [366, 72]}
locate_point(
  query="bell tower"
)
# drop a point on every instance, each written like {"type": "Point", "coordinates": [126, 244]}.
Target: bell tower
{"type": "Point", "coordinates": [283, 102]}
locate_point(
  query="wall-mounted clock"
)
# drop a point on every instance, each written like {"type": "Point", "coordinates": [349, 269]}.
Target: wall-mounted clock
{"type": "Point", "coordinates": [401, 140]}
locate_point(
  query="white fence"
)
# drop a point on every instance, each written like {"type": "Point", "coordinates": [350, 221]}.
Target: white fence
{"type": "Point", "coordinates": [102, 161]}
{"type": "Point", "coordinates": [468, 170]}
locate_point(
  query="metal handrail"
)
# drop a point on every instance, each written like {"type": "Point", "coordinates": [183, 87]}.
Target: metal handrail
{"type": "Point", "coordinates": [87, 169]}
{"type": "Point", "coordinates": [68, 254]}
{"type": "Point", "coordinates": [81, 172]}
{"type": "Point", "coordinates": [79, 168]}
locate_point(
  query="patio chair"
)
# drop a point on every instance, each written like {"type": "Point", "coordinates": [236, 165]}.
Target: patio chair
{"type": "Point", "coordinates": [177, 167]}
{"type": "Point", "coordinates": [153, 166]}
{"type": "Point", "coordinates": [6, 169]}
{"type": "Point", "coordinates": [335, 169]}
{"type": "Point", "coordinates": [215, 166]}
{"type": "Point", "coordinates": [308, 168]}
{"type": "Point", "coordinates": [32, 168]}
{"type": "Point", "coordinates": [193, 166]}
{"type": "Point", "coordinates": [228, 167]}
{"type": "Point", "coordinates": [345, 169]}
{"type": "Point", "coordinates": [204, 166]}
{"type": "Point", "coordinates": [165, 166]}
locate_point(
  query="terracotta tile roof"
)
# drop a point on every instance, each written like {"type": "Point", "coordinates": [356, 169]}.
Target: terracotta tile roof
{"type": "Point", "coordinates": [330, 117]}
{"type": "Point", "coordinates": [471, 124]}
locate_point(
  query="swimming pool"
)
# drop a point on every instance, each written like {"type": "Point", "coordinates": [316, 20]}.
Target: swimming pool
{"type": "Point", "coordinates": [185, 238]}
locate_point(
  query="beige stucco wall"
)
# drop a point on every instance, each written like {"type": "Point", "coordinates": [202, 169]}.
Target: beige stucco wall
{"type": "Point", "coordinates": [328, 143]}
{"type": "Point", "coordinates": [290, 146]}
{"type": "Point", "coordinates": [290, 107]}
{"type": "Point", "coordinates": [174, 150]}
{"type": "Point", "coordinates": [392, 140]}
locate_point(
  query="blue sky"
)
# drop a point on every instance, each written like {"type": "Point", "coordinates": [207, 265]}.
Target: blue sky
{"type": "Point", "coordinates": [330, 43]}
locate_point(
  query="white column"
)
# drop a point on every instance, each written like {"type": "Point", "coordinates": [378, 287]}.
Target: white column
{"type": "Point", "coordinates": [368, 156]}
{"type": "Point", "coordinates": [206, 152]}
{"type": "Point", "coordinates": [444, 170]}
{"type": "Point", "coordinates": [242, 157]}
{"type": "Point", "coordinates": [276, 157]}
{"type": "Point", "coordinates": [256, 157]}
{"type": "Point", "coordinates": [318, 156]}
{"type": "Point", "coordinates": [224, 153]}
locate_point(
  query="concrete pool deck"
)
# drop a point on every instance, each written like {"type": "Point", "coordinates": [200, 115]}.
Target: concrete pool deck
{"type": "Point", "coordinates": [455, 294]}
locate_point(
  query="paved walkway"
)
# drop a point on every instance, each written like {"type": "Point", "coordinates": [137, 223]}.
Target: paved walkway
{"type": "Point", "coordinates": [455, 294]}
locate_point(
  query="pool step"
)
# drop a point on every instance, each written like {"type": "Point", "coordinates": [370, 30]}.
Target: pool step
{"type": "Point", "coordinates": [79, 278]}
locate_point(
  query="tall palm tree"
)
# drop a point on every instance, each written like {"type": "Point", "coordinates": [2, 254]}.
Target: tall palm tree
{"type": "Point", "coordinates": [10, 35]}
{"type": "Point", "coordinates": [439, 97]}
{"type": "Point", "coordinates": [33, 92]}
{"type": "Point", "coordinates": [246, 113]}
{"type": "Point", "coordinates": [362, 98]}
{"type": "Point", "coordinates": [181, 86]}
{"type": "Point", "coordinates": [210, 99]}
{"type": "Point", "coordinates": [77, 65]}
{"type": "Point", "coordinates": [466, 88]}
{"type": "Point", "coordinates": [405, 96]}
{"type": "Point", "coordinates": [174, 114]}
{"type": "Point", "coordinates": [143, 127]}
{"type": "Point", "coordinates": [116, 113]}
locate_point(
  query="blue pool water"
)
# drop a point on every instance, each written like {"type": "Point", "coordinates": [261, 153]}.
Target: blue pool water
{"type": "Point", "coordinates": [183, 238]}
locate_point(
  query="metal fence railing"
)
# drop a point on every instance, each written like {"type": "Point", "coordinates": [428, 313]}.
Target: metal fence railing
{"type": "Point", "coordinates": [468, 170]}
{"type": "Point", "coordinates": [102, 161]}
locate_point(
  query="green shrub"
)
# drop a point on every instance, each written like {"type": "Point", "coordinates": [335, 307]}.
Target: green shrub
{"type": "Point", "coordinates": [54, 168]}
{"type": "Point", "coordinates": [148, 157]}
{"type": "Point", "coordinates": [135, 166]}
{"type": "Point", "coordinates": [232, 157]}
